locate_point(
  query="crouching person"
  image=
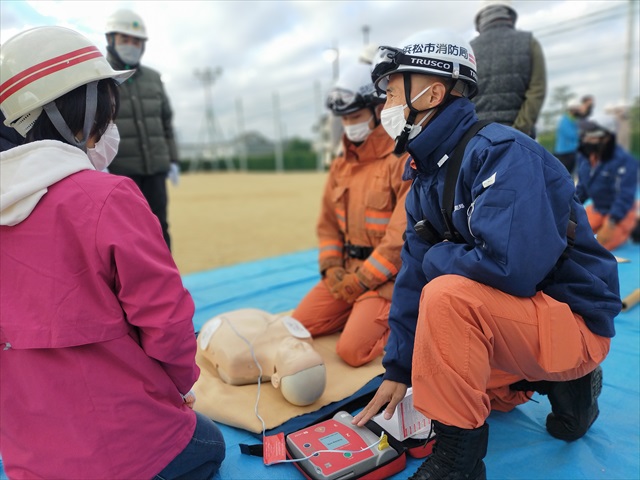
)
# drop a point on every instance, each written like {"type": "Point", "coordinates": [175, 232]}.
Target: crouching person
{"type": "Point", "coordinates": [508, 294]}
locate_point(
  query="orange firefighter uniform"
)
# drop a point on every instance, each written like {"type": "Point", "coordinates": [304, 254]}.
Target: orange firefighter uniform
{"type": "Point", "coordinates": [360, 230]}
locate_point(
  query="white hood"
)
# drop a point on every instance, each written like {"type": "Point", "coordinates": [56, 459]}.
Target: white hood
{"type": "Point", "coordinates": [27, 170]}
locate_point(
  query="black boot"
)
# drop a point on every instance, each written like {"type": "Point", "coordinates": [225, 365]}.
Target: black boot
{"type": "Point", "coordinates": [457, 454]}
{"type": "Point", "coordinates": [574, 404]}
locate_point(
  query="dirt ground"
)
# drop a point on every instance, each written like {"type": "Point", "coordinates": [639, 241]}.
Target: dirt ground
{"type": "Point", "coordinates": [218, 219]}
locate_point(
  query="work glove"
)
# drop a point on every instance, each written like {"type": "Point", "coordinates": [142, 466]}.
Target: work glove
{"type": "Point", "coordinates": [174, 174]}
{"type": "Point", "coordinates": [349, 289]}
{"type": "Point", "coordinates": [333, 276]}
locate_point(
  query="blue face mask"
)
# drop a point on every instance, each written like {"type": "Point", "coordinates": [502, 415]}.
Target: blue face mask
{"type": "Point", "coordinates": [129, 54]}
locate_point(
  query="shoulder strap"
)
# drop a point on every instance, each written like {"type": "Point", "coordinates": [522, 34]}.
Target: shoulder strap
{"type": "Point", "coordinates": [453, 169]}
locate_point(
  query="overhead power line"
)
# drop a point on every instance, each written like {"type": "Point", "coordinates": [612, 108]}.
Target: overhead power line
{"type": "Point", "coordinates": [583, 21]}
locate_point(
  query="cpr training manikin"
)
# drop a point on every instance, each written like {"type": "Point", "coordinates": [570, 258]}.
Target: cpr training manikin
{"type": "Point", "coordinates": [249, 344]}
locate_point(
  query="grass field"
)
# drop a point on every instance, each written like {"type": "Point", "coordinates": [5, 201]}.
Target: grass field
{"type": "Point", "coordinates": [218, 219]}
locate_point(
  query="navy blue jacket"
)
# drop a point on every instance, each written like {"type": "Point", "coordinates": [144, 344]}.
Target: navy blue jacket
{"type": "Point", "coordinates": [611, 184]}
{"type": "Point", "coordinates": [9, 137]}
{"type": "Point", "coordinates": [512, 206]}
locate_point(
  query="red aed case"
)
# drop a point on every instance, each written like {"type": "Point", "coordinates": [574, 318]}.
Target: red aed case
{"type": "Point", "coordinates": [357, 461]}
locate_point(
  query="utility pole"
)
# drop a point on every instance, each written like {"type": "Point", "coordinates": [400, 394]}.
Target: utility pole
{"type": "Point", "coordinates": [321, 142]}
{"type": "Point", "coordinates": [278, 129]}
{"type": "Point", "coordinates": [241, 141]}
{"type": "Point", "coordinates": [626, 85]}
{"type": "Point", "coordinates": [365, 34]}
{"type": "Point", "coordinates": [622, 112]}
{"type": "Point", "coordinates": [208, 78]}
{"type": "Point", "coordinates": [336, 61]}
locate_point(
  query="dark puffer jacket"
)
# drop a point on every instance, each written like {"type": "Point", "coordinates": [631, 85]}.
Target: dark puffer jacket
{"type": "Point", "coordinates": [147, 144]}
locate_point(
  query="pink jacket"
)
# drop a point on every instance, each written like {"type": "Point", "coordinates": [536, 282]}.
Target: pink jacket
{"type": "Point", "coordinates": [96, 336]}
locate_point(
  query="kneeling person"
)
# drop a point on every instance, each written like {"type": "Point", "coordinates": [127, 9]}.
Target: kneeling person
{"type": "Point", "coordinates": [360, 227]}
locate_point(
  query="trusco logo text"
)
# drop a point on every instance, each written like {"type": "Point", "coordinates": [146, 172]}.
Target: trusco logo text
{"type": "Point", "coordinates": [427, 62]}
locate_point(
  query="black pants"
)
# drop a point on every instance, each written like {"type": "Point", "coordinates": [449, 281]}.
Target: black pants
{"type": "Point", "coordinates": [154, 189]}
{"type": "Point", "coordinates": [568, 160]}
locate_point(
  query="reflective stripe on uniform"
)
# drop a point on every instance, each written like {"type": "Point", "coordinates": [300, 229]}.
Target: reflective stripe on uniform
{"type": "Point", "coordinates": [376, 220]}
{"type": "Point", "coordinates": [331, 248]}
{"type": "Point", "coordinates": [342, 218]}
{"type": "Point", "coordinates": [379, 266]}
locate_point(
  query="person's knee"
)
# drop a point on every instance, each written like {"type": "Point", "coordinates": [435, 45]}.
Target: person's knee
{"type": "Point", "coordinates": [208, 432]}
{"type": "Point", "coordinates": [447, 291]}
{"type": "Point", "coordinates": [351, 353]}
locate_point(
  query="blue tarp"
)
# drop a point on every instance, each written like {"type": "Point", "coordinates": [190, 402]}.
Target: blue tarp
{"type": "Point", "coordinates": [519, 446]}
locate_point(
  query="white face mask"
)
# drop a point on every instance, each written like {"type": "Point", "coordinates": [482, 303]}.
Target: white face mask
{"type": "Point", "coordinates": [358, 132]}
{"type": "Point", "coordinates": [129, 54]}
{"type": "Point", "coordinates": [393, 121]}
{"type": "Point", "coordinates": [105, 149]}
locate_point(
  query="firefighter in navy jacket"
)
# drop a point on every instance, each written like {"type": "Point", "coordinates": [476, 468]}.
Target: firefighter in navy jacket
{"type": "Point", "coordinates": [523, 300]}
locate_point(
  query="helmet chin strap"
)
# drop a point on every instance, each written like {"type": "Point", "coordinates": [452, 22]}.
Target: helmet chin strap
{"type": "Point", "coordinates": [91, 104]}
{"type": "Point", "coordinates": [403, 138]}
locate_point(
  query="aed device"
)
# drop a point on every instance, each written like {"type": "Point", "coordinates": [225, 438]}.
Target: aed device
{"type": "Point", "coordinates": [386, 458]}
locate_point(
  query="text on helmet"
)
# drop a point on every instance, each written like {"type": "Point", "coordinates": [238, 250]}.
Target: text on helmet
{"type": "Point", "coordinates": [440, 48]}
{"type": "Point", "coordinates": [429, 62]}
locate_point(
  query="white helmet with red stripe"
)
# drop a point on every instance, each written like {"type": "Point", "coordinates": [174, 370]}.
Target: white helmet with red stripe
{"type": "Point", "coordinates": [40, 65]}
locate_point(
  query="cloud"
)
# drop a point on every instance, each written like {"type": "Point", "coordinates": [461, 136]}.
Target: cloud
{"type": "Point", "coordinates": [275, 48]}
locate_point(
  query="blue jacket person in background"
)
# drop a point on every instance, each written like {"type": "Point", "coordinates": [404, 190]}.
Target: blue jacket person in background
{"type": "Point", "coordinates": [607, 175]}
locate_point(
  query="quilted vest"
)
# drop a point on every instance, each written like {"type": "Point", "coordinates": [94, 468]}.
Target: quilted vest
{"type": "Point", "coordinates": [503, 57]}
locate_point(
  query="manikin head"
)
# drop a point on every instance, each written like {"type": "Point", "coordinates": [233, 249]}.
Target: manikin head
{"type": "Point", "coordinates": [299, 372]}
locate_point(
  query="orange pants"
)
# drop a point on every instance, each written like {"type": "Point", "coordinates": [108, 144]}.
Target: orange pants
{"type": "Point", "coordinates": [365, 323]}
{"type": "Point", "coordinates": [473, 341]}
{"type": "Point", "coordinates": [620, 233]}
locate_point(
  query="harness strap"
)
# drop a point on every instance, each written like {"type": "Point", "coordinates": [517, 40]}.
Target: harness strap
{"type": "Point", "coordinates": [423, 228]}
{"type": "Point", "coordinates": [453, 170]}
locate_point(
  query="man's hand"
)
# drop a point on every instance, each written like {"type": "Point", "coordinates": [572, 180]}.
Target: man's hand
{"type": "Point", "coordinates": [349, 289]}
{"type": "Point", "coordinates": [388, 392]}
{"type": "Point", "coordinates": [333, 276]}
{"type": "Point", "coordinates": [174, 174]}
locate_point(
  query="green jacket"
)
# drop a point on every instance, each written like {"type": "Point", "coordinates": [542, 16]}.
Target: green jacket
{"type": "Point", "coordinates": [147, 144]}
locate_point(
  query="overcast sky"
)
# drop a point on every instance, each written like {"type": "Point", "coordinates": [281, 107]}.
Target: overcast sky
{"type": "Point", "coordinates": [268, 48]}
